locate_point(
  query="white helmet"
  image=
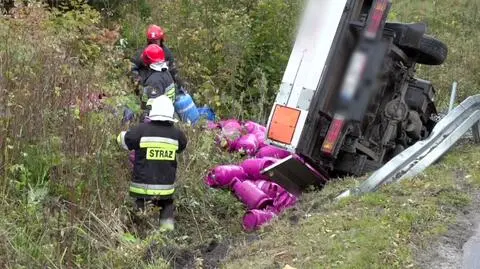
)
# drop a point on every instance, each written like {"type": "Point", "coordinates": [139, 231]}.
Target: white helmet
{"type": "Point", "coordinates": [162, 109]}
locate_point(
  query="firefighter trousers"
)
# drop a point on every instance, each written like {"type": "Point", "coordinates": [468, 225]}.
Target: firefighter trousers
{"type": "Point", "coordinates": [167, 206]}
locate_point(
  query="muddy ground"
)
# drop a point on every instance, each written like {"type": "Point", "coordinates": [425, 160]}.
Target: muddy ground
{"type": "Point", "coordinates": [460, 246]}
{"type": "Point", "coordinates": [208, 256]}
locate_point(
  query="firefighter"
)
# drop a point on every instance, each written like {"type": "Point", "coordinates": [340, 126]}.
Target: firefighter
{"type": "Point", "coordinates": [157, 80]}
{"type": "Point", "coordinates": [156, 145]}
{"type": "Point", "coordinates": [155, 35]}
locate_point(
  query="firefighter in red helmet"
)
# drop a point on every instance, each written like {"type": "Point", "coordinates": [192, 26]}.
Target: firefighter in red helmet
{"type": "Point", "coordinates": [155, 35]}
{"type": "Point", "coordinates": [157, 80]}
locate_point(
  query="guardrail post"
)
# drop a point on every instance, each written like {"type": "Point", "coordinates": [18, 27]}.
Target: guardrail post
{"type": "Point", "coordinates": [453, 95]}
{"type": "Point", "coordinates": [476, 132]}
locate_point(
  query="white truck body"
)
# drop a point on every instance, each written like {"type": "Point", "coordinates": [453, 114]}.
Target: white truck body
{"type": "Point", "coordinates": [306, 65]}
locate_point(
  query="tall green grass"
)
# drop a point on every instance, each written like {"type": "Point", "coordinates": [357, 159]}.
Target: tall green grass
{"type": "Point", "coordinates": [457, 24]}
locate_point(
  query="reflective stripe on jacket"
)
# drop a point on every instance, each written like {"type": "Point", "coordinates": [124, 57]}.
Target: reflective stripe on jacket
{"type": "Point", "coordinates": [152, 189]}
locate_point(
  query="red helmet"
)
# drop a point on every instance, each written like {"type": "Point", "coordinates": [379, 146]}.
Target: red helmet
{"type": "Point", "coordinates": [154, 33]}
{"type": "Point", "coordinates": [153, 54]}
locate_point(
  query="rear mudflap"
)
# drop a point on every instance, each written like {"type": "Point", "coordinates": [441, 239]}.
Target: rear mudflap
{"type": "Point", "coordinates": [295, 175]}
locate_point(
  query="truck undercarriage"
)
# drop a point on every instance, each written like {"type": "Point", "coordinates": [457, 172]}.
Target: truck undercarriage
{"type": "Point", "coordinates": [349, 100]}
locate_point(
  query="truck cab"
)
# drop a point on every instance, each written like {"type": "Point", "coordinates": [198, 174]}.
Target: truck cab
{"type": "Point", "coordinates": [349, 100]}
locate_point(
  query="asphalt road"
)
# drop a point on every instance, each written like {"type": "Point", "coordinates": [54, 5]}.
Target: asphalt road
{"type": "Point", "coordinates": [471, 249]}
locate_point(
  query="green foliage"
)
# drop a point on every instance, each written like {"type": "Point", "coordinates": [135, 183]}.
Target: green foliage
{"type": "Point", "coordinates": [208, 207]}
{"type": "Point", "coordinates": [34, 167]}
{"type": "Point", "coordinates": [130, 101]}
{"type": "Point", "coordinates": [64, 180]}
{"type": "Point", "coordinates": [232, 54]}
{"type": "Point", "coordinates": [61, 170]}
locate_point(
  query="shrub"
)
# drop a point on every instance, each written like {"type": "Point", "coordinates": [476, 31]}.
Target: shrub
{"type": "Point", "coordinates": [232, 54]}
{"type": "Point", "coordinates": [62, 180]}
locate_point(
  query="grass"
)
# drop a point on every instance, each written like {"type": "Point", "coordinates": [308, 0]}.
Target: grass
{"type": "Point", "coordinates": [456, 23]}
{"type": "Point", "coordinates": [64, 182]}
{"type": "Point", "coordinates": [378, 230]}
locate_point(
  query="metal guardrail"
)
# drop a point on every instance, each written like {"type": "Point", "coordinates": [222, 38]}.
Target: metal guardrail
{"type": "Point", "coordinates": [453, 96]}
{"type": "Point", "coordinates": [419, 156]}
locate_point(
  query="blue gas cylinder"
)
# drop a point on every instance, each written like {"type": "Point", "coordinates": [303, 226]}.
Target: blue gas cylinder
{"type": "Point", "coordinates": [186, 108]}
{"type": "Point", "coordinates": [128, 115]}
{"type": "Point", "coordinates": [207, 113]}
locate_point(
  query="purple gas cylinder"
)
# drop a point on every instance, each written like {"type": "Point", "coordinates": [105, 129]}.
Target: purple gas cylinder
{"type": "Point", "coordinates": [231, 122]}
{"type": "Point", "coordinates": [231, 132]}
{"type": "Point", "coordinates": [273, 152]}
{"type": "Point", "coordinates": [284, 201]}
{"type": "Point", "coordinates": [131, 157]}
{"type": "Point", "coordinates": [212, 125]}
{"type": "Point", "coordinates": [254, 219]}
{"type": "Point", "coordinates": [251, 195]}
{"type": "Point", "coordinates": [261, 137]}
{"type": "Point", "coordinates": [253, 127]}
{"type": "Point", "coordinates": [254, 167]}
{"type": "Point", "coordinates": [270, 188]}
{"type": "Point", "coordinates": [247, 144]}
{"type": "Point", "coordinates": [223, 176]}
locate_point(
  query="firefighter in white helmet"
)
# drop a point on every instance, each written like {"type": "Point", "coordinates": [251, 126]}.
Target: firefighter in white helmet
{"type": "Point", "coordinates": [156, 145]}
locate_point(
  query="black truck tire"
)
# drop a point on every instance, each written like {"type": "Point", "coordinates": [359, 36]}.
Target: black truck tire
{"type": "Point", "coordinates": [431, 51]}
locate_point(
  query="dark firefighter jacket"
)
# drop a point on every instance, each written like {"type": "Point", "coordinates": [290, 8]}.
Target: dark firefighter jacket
{"type": "Point", "coordinates": [142, 70]}
{"type": "Point", "coordinates": [157, 83]}
{"type": "Point", "coordinates": [156, 146]}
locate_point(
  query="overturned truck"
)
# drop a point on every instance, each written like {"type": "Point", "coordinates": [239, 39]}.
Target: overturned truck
{"type": "Point", "coordinates": [349, 100]}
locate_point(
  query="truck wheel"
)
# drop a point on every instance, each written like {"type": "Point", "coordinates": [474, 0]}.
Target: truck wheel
{"type": "Point", "coordinates": [431, 51]}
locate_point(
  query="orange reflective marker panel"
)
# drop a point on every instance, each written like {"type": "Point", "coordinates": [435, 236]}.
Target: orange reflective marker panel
{"type": "Point", "coordinates": [283, 124]}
